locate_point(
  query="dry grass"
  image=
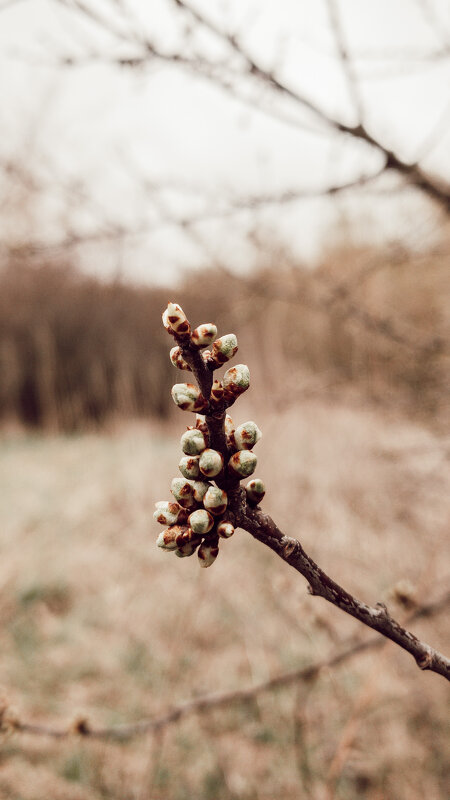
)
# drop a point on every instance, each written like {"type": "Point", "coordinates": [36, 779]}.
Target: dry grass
{"type": "Point", "coordinates": [95, 619]}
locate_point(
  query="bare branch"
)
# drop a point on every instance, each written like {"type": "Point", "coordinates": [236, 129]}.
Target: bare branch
{"type": "Point", "coordinates": [264, 529]}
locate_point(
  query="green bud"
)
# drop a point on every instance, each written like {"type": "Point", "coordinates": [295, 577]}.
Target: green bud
{"type": "Point", "coordinates": [189, 467]}
{"type": "Point", "coordinates": [246, 435]}
{"type": "Point", "coordinates": [183, 491]}
{"type": "Point", "coordinates": [243, 463]}
{"type": "Point", "coordinates": [201, 521]}
{"type": "Point", "coordinates": [224, 348]}
{"type": "Point", "coordinates": [188, 397]}
{"type": "Point", "coordinates": [210, 463]}
{"type": "Point", "coordinates": [236, 380]}
{"type": "Point", "coordinates": [193, 442]}
{"type": "Point", "coordinates": [255, 490]}
{"type": "Point", "coordinates": [200, 489]}
{"type": "Point", "coordinates": [167, 513]}
{"type": "Point", "coordinates": [215, 500]}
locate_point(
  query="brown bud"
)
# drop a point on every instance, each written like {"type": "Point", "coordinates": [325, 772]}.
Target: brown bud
{"type": "Point", "coordinates": [216, 393]}
{"type": "Point", "coordinates": [167, 513]}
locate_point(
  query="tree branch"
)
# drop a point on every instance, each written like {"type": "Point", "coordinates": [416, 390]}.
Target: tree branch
{"type": "Point", "coordinates": [264, 529]}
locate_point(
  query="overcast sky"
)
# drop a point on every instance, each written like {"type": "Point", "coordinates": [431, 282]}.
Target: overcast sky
{"type": "Point", "coordinates": [109, 146]}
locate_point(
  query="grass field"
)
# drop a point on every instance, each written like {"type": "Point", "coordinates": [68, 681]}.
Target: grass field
{"type": "Point", "coordinates": [96, 620]}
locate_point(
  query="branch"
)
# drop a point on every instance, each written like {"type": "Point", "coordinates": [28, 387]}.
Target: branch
{"type": "Point", "coordinates": [439, 192]}
{"type": "Point", "coordinates": [204, 703]}
{"type": "Point", "coordinates": [263, 528]}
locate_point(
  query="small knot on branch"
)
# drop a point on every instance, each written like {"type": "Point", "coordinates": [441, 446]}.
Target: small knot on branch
{"type": "Point", "coordinates": [289, 546]}
{"type": "Point", "coordinates": [425, 661]}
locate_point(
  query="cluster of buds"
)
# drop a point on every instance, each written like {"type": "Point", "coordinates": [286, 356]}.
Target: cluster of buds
{"type": "Point", "coordinates": [199, 515]}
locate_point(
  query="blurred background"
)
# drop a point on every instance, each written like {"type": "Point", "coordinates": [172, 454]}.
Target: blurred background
{"type": "Point", "coordinates": [283, 170]}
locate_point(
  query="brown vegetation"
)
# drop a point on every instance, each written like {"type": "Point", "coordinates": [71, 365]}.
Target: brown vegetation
{"type": "Point", "coordinates": [75, 352]}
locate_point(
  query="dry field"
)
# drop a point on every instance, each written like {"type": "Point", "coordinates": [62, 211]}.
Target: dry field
{"type": "Point", "coordinates": [96, 620]}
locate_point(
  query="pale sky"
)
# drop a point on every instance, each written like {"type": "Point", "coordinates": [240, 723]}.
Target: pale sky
{"type": "Point", "coordinates": [109, 146]}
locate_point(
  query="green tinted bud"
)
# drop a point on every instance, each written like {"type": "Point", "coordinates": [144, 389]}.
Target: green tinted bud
{"type": "Point", "coordinates": [236, 380]}
{"type": "Point", "coordinates": [201, 521]}
{"type": "Point", "coordinates": [183, 491]}
{"type": "Point", "coordinates": [255, 490]}
{"type": "Point", "coordinates": [215, 500]}
{"type": "Point", "coordinates": [193, 442]}
{"type": "Point", "coordinates": [243, 463]}
{"type": "Point", "coordinates": [167, 513]}
{"type": "Point", "coordinates": [224, 348]}
{"type": "Point", "coordinates": [200, 489]}
{"type": "Point", "coordinates": [246, 435]}
{"type": "Point", "coordinates": [189, 467]}
{"type": "Point", "coordinates": [188, 397]}
{"type": "Point", "coordinates": [210, 463]}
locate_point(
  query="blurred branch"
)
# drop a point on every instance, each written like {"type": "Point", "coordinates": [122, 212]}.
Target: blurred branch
{"type": "Point", "coordinates": [205, 703]}
{"type": "Point", "coordinates": [436, 191]}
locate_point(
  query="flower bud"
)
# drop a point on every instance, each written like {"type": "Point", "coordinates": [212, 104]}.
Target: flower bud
{"type": "Point", "coordinates": [203, 335]}
{"type": "Point", "coordinates": [242, 463]}
{"type": "Point", "coordinates": [207, 554]}
{"type": "Point", "coordinates": [224, 348]}
{"type": "Point", "coordinates": [229, 425]}
{"type": "Point", "coordinates": [246, 435]}
{"type": "Point", "coordinates": [167, 514]}
{"type": "Point", "coordinates": [167, 539]}
{"type": "Point", "coordinates": [183, 491]}
{"type": "Point", "coordinates": [236, 380]}
{"type": "Point", "coordinates": [189, 467]}
{"type": "Point", "coordinates": [215, 500]}
{"type": "Point", "coordinates": [216, 393]}
{"type": "Point", "coordinates": [255, 490]}
{"type": "Point", "coordinates": [188, 397]}
{"type": "Point", "coordinates": [200, 489]}
{"type": "Point", "coordinates": [175, 320]}
{"type": "Point", "coordinates": [201, 521]}
{"type": "Point", "coordinates": [177, 359]}
{"type": "Point", "coordinates": [185, 535]}
{"type": "Point", "coordinates": [193, 442]}
{"type": "Point", "coordinates": [210, 463]}
{"type": "Point", "coordinates": [225, 529]}
{"type": "Point", "coordinates": [188, 549]}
